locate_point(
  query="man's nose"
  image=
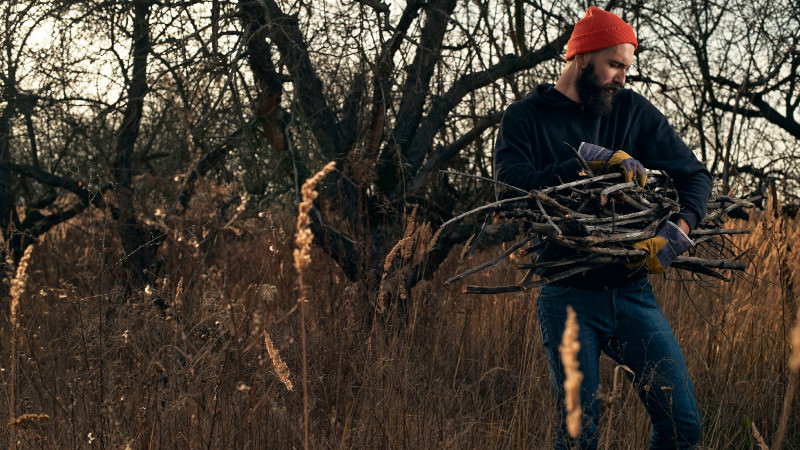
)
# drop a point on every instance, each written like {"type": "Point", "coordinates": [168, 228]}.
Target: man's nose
{"type": "Point", "coordinates": [620, 78]}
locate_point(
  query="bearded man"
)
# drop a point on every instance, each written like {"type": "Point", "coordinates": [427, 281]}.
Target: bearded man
{"type": "Point", "coordinates": [614, 129]}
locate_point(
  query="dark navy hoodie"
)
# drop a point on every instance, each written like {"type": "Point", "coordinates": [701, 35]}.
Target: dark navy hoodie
{"type": "Point", "coordinates": [532, 151]}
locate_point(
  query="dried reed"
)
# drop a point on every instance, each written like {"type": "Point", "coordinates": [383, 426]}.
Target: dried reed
{"type": "Point", "coordinates": [412, 248]}
{"type": "Point", "coordinates": [572, 382]}
{"type": "Point", "coordinates": [399, 247]}
{"type": "Point", "coordinates": [304, 236]}
{"type": "Point", "coordinates": [612, 400]}
{"type": "Point", "coordinates": [757, 436]}
{"type": "Point", "coordinates": [18, 284]}
{"type": "Point", "coordinates": [794, 359]}
{"type": "Point", "coordinates": [302, 257]}
{"type": "Point", "coordinates": [794, 374]}
{"type": "Point", "coordinates": [28, 419]}
{"type": "Point", "coordinates": [281, 370]}
{"type": "Point", "coordinates": [17, 289]}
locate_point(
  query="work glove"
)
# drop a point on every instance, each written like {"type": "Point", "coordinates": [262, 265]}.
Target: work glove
{"type": "Point", "coordinates": [603, 160]}
{"type": "Point", "coordinates": [669, 242]}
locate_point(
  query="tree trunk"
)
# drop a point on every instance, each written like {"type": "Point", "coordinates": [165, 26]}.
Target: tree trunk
{"type": "Point", "coordinates": [139, 243]}
{"type": "Point", "coordinates": [6, 199]}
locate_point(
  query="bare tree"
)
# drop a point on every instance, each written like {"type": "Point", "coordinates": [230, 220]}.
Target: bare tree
{"type": "Point", "coordinates": [394, 95]}
{"type": "Point", "coordinates": [729, 71]}
{"type": "Point", "coordinates": [89, 108]}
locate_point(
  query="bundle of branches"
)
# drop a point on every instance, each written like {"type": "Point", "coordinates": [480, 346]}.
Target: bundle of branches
{"type": "Point", "coordinates": [595, 221]}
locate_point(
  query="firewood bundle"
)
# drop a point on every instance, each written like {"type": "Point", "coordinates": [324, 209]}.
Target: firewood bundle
{"type": "Point", "coordinates": [568, 229]}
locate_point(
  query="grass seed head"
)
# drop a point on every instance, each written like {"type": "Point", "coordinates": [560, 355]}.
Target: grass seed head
{"type": "Point", "coordinates": [573, 377]}
{"type": "Point", "coordinates": [281, 369]}
{"type": "Point", "coordinates": [794, 358]}
{"type": "Point", "coordinates": [18, 285]}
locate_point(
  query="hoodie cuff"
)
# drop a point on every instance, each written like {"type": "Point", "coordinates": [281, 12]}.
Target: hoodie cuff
{"type": "Point", "coordinates": [688, 216]}
{"type": "Point", "coordinates": [571, 170]}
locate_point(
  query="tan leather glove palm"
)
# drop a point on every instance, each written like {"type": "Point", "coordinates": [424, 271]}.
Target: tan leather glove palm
{"type": "Point", "coordinates": [662, 248]}
{"type": "Point", "coordinates": [632, 169]}
{"type": "Point", "coordinates": [603, 160]}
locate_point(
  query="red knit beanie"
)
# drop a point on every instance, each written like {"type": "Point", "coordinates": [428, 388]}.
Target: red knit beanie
{"type": "Point", "coordinates": [598, 30]}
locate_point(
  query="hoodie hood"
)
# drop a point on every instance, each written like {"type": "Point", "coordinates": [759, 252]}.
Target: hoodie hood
{"type": "Point", "coordinates": [546, 93]}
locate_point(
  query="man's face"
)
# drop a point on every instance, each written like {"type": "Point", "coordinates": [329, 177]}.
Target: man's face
{"type": "Point", "coordinates": [602, 74]}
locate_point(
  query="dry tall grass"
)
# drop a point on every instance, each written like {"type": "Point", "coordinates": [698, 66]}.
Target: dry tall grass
{"type": "Point", "coordinates": [569, 349]}
{"type": "Point", "coordinates": [111, 370]}
{"type": "Point", "coordinates": [17, 289]}
{"type": "Point", "coordinates": [302, 258]}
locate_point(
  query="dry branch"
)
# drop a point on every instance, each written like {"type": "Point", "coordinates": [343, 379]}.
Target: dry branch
{"type": "Point", "coordinates": [594, 222]}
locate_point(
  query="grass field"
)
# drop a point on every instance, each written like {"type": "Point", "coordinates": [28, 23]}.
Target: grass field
{"type": "Point", "coordinates": [86, 363]}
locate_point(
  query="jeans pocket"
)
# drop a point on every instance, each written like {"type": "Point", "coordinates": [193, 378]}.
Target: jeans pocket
{"type": "Point", "coordinates": [550, 292]}
{"type": "Point", "coordinates": [551, 312]}
{"type": "Point", "coordinates": [545, 324]}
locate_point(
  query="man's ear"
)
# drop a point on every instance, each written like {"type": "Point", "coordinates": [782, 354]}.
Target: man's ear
{"type": "Point", "coordinates": [581, 61]}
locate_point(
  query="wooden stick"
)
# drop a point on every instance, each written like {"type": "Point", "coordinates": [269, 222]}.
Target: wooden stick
{"type": "Point", "coordinates": [581, 182]}
{"type": "Point", "coordinates": [469, 289]}
{"type": "Point", "coordinates": [483, 208]}
{"type": "Point", "coordinates": [494, 261]}
{"type": "Point", "coordinates": [611, 189]}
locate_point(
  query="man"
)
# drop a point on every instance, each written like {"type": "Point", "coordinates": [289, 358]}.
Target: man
{"type": "Point", "coordinates": [588, 109]}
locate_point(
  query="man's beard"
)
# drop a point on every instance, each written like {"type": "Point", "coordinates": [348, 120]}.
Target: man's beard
{"type": "Point", "coordinates": [597, 99]}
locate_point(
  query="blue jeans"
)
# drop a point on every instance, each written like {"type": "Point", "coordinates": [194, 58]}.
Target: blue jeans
{"type": "Point", "coordinates": [627, 325]}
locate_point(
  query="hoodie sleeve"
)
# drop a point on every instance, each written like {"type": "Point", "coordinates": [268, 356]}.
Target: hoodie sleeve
{"type": "Point", "coordinates": [659, 147]}
{"type": "Point", "coordinates": [520, 158]}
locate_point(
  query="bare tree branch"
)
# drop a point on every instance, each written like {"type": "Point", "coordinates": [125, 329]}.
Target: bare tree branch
{"type": "Point", "coordinates": [285, 33]}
